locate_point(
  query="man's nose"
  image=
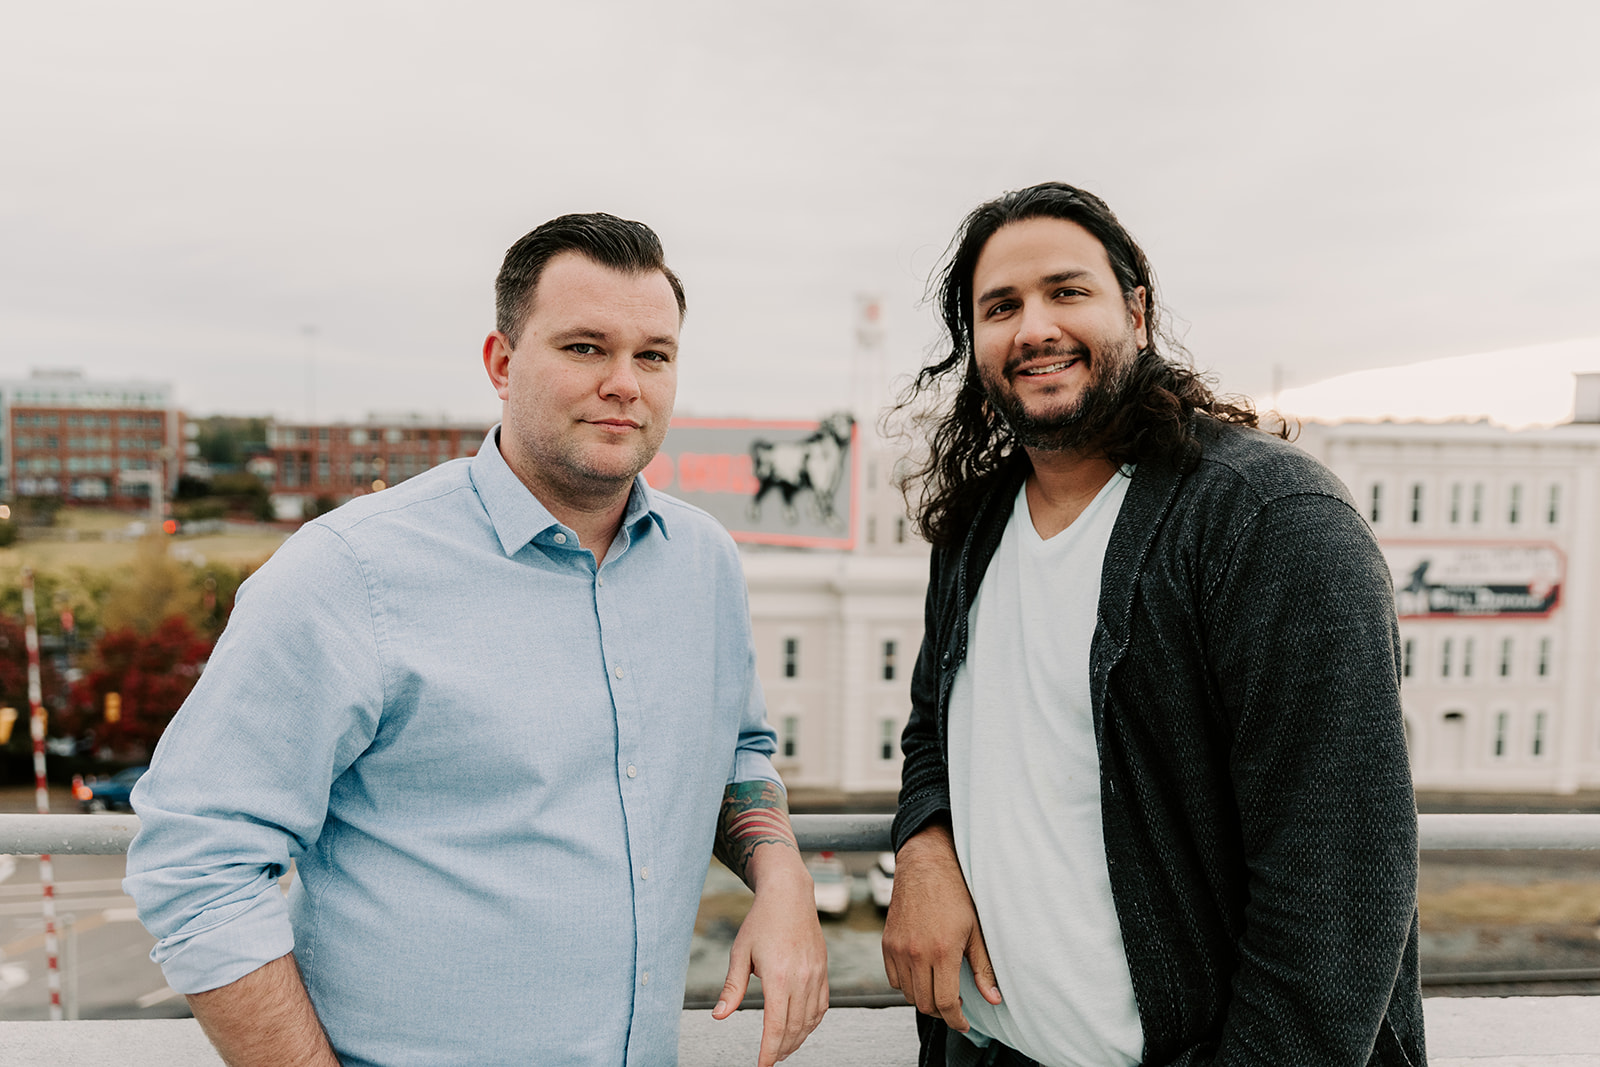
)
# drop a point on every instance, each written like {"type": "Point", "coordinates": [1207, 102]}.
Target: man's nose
{"type": "Point", "coordinates": [1036, 326]}
{"type": "Point", "coordinates": [620, 382]}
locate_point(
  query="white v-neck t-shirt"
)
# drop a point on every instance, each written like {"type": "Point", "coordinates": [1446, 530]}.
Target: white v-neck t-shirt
{"type": "Point", "coordinates": [1025, 799]}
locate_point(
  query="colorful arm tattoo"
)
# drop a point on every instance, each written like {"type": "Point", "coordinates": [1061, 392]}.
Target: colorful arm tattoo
{"type": "Point", "coordinates": [753, 813]}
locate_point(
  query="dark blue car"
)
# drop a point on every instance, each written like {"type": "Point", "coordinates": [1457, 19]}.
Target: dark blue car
{"type": "Point", "coordinates": [108, 794]}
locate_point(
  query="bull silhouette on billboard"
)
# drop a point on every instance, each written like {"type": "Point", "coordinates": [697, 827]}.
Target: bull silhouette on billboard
{"type": "Point", "coordinates": [817, 463]}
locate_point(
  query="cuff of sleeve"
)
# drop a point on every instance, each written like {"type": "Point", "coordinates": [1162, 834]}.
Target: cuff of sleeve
{"type": "Point", "coordinates": [225, 944]}
{"type": "Point", "coordinates": [913, 816]}
{"type": "Point", "coordinates": [750, 766]}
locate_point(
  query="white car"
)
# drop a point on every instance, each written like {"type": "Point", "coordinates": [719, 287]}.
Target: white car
{"type": "Point", "coordinates": [881, 880]}
{"type": "Point", "coordinates": [831, 884]}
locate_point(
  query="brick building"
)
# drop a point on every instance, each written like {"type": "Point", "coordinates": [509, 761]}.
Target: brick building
{"type": "Point", "coordinates": [87, 440]}
{"type": "Point", "coordinates": [343, 460]}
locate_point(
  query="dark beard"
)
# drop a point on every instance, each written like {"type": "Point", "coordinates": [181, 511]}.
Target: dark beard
{"type": "Point", "coordinates": [1081, 427]}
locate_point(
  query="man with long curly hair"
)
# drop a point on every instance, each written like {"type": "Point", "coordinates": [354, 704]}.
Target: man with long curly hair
{"type": "Point", "coordinates": [1156, 805]}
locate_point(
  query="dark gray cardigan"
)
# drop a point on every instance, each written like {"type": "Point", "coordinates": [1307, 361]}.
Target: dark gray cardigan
{"type": "Point", "coordinates": [1259, 822]}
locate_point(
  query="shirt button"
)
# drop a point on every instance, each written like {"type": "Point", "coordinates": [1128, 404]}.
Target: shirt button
{"type": "Point", "coordinates": [617, 672]}
{"type": "Point", "coordinates": [644, 872]}
{"type": "Point", "coordinates": [645, 979]}
{"type": "Point", "coordinates": [561, 538]}
{"type": "Point", "coordinates": [599, 579]}
{"type": "Point", "coordinates": [633, 772]}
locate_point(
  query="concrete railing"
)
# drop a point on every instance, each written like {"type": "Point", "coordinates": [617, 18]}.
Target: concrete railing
{"type": "Point", "coordinates": [67, 835]}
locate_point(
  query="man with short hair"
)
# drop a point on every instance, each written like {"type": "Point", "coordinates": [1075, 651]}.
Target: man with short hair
{"type": "Point", "coordinates": [1156, 805]}
{"type": "Point", "coordinates": [496, 715]}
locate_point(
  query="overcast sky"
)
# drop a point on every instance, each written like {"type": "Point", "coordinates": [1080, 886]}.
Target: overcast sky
{"type": "Point", "coordinates": [228, 197]}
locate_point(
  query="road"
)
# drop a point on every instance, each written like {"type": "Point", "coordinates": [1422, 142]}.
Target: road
{"type": "Point", "coordinates": [97, 930]}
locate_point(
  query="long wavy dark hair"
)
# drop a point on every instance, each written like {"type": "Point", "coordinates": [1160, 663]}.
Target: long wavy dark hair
{"type": "Point", "coordinates": [970, 447]}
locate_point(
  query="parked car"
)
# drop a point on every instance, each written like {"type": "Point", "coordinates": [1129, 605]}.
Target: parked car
{"type": "Point", "coordinates": [107, 794]}
{"type": "Point", "coordinates": [881, 880]}
{"type": "Point", "coordinates": [831, 884]}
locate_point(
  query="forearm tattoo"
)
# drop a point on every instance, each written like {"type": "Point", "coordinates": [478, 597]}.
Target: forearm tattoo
{"type": "Point", "coordinates": [753, 813]}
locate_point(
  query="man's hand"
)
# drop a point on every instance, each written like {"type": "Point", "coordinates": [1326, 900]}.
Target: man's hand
{"type": "Point", "coordinates": [931, 926]}
{"type": "Point", "coordinates": [780, 941]}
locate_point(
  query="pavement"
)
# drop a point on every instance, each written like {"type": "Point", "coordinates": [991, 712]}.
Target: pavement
{"type": "Point", "coordinates": [1476, 1032]}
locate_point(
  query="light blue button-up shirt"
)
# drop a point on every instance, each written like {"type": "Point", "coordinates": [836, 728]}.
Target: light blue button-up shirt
{"type": "Point", "coordinates": [497, 766]}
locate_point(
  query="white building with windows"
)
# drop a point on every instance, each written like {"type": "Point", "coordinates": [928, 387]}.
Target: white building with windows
{"type": "Point", "coordinates": [836, 635]}
{"type": "Point", "coordinates": [1493, 536]}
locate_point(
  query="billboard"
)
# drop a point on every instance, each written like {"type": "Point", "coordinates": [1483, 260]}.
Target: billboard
{"type": "Point", "coordinates": [768, 482]}
{"type": "Point", "coordinates": [1475, 579]}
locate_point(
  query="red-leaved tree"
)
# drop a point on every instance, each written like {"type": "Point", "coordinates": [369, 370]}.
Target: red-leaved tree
{"type": "Point", "coordinates": [152, 673]}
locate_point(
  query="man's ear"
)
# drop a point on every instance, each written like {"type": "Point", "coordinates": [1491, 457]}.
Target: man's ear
{"type": "Point", "coordinates": [1141, 329]}
{"type": "Point", "coordinates": [497, 362]}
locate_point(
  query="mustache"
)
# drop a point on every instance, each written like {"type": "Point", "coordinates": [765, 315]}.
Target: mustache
{"type": "Point", "coordinates": [1078, 351]}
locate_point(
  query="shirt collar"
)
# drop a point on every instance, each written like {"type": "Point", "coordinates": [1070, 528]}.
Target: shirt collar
{"type": "Point", "coordinates": [519, 517]}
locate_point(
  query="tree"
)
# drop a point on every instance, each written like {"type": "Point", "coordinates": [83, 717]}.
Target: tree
{"type": "Point", "coordinates": [154, 588]}
{"type": "Point", "coordinates": [153, 673]}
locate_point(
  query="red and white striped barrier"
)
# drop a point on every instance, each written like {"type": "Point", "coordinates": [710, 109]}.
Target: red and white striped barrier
{"type": "Point", "coordinates": [47, 878]}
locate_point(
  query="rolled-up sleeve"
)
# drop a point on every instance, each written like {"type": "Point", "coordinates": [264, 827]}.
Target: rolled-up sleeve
{"type": "Point", "coordinates": [239, 784]}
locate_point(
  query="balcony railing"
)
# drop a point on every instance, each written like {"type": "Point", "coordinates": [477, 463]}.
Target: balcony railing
{"type": "Point", "coordinates": [84, 835]}
{"type": "Point", "coordinates": [1543, 1031]}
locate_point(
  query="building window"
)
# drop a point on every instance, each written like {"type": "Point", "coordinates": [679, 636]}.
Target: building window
{"type": "Point", "coordinates": [1444, 659]}
{"type": "Point", "coordinates": [791, 736]}
{"type": "Point", "coordinates": [1466, 658]}
{"type": "Point", "coordinates": [900, 530]}
{"type": "Point", "coordinates": [1375, 511]}
{"type": "Point", "coordinates": [888, 661]}
{"type": "Point", "coordinates": [1416, 503]}
{"type": "Point", "coordinates": [1505, 658]}
{"type": "Point", "coordinates": [886, 739]}
{"type": "Point", "coordinates": [1538, 733]}
{"type": "Point", "coordinates": [1502, 725]}
{"type": "Point", "coordinates": [1552, 514]}
{"type": "Point", "coordinates": [1514, 511]}
{"type": "Point", "coordinates": [791, 657]}
{"type": "Point", "coordinates": [1544, 657]}
{"type": "Point", "coordinates": [1477, 503]}
{"type": "Point", "coordinates": [872, 529]}
{"type": "Point", "coordinates": [1455, 504]}
{"type": "Point", "coordinates": [1407, 653]}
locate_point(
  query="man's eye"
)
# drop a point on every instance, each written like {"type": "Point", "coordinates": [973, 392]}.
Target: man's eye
{"type": "Point", "coordinates": [1070, 292]}
{"type": "Point", "coordinates": [583, 349]}
{"type": "Point", "coordinates": [1000, 308]}
{"type": "Point", "coordinates": [655, 357]}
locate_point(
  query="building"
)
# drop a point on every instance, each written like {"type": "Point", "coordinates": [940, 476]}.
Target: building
{"type": "Point", "coordinates": [88, 440]}
{"type": "Point", "coordinates": [337, 461]}
{"type": "Point", "coordinates": [836, 634]}
{"type": "Point", "coordinates": [1493, 538]}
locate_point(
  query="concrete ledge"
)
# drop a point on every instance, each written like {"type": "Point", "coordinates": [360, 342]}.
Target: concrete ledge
{"type": "Point", "coordinates": [1462, 1032]}
{"type": "Point", "coordinates": [1508, 1031]}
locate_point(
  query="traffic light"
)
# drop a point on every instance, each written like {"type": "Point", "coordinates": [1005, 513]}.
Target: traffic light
{"type": "Point", "coordinates": [8, 718]}
{"type": "Point", "coordinates": [113, 707]}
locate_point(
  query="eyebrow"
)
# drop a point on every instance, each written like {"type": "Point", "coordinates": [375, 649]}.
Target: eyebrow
{"type": "Point", "coordinates": [587, 333]}
{"type": "Point", "coordinates": [1049, 279]}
